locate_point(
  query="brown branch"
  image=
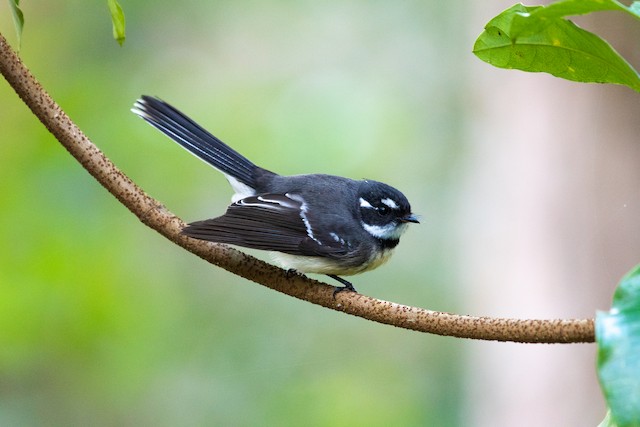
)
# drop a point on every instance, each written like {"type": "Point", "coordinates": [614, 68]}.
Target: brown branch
{"type": "Point", "coordinates": [156, 216]}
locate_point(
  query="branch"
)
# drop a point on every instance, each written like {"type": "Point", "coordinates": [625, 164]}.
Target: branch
{"type": "Point", "coordinates": [155, 215]}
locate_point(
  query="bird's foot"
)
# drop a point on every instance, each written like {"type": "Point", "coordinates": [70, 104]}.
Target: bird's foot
{"type": "Point", "coordinates": [347, 285]}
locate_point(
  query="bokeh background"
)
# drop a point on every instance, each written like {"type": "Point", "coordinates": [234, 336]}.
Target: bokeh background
{"type": "Point", "coordinates": [528, 187]}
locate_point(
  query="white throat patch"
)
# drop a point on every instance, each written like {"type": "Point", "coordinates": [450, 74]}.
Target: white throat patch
{"type": "Point", "coordinates": [390, 231]}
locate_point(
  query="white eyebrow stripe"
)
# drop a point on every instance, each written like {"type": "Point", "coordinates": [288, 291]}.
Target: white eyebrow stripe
{"type": "Point", "coordinates": [365, 204]}
{"type": "Point", "coordinates": [390, 202]}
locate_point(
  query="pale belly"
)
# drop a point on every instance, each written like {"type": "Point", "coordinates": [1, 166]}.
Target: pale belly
{"type": "Point", "coordinates": [319, 265]}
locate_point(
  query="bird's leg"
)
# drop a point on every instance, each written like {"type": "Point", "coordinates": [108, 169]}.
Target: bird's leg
{"type": "Point", "coordinates": [347, 285]}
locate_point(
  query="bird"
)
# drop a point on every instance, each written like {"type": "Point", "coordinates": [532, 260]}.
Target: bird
{"type": "Point", "coordinates": [311, 223]}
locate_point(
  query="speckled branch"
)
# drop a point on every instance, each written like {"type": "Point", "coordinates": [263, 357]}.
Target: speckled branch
{"type": "Point", "coordinates": [156, 216]}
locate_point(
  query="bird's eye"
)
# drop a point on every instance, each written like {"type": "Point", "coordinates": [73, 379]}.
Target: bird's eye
{"type": "Point", "coordinates": [383, 210]}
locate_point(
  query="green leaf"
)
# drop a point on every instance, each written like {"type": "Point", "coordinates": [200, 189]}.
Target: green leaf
{"type": "Point", "coordinates": [18, 19]}
{"type": "Point", "coordinates": [618, 338]}
{"type": "Point", "coordinates": [527, 24]}
{"type": "Point", "coordinates": [561, 48]}
{"type": "Point", "coordinates": [117, 18]}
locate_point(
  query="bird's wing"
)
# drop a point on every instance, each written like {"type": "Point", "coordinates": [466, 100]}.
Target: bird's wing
{"type": "Point", "coordinates": [273, 222]}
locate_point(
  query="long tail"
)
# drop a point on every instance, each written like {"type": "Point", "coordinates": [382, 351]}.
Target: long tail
{"type": "Point", "coordinates": [195, 139]}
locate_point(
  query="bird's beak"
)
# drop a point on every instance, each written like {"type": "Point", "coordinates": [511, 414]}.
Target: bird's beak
{"type": "Point", "coordinates": [410, 218]}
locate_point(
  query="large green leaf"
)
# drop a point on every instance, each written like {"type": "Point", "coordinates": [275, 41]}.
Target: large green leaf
{"type": "Point", "coordinates": [555, 46]}
{"type": "Point", "coordinates": [117, 18]}
{"type": "Point", "coordinates": [18, 18]}
{"type": "Point", "coordinates": [618, 338]}
{"type": "Point", "coordinates": [526, 24]}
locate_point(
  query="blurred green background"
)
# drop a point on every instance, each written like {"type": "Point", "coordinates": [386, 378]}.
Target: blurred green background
{"type": "Point", "coordinates": [104, 322]}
